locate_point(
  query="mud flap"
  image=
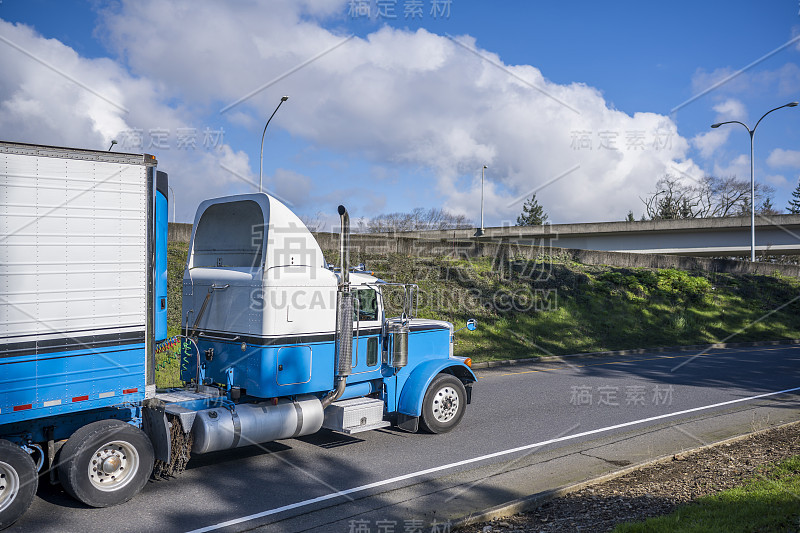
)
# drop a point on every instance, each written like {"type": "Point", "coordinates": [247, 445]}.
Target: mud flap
{"type": "Point", "coordinates": [181, 448]}
{"type": "Point", "coordinates": [408, 423]}
{"type": "Point", "coordinates": [155, 425]}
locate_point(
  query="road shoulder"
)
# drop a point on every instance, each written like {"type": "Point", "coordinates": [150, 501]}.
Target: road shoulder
{"type": "Point", "coordinates": [531, 478]}
{"type": "Point", "coordinates": [645, 490]}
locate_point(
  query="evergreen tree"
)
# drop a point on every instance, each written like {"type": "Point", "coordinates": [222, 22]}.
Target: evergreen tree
{"type": "Point", "coordinates": [794, 203]}
{"type": "Point", "coordinates": [532, 213]}
{"type": "Point", "coordinates": [630, 217]}
{"type": "Point", "coordinates": [767, 208]}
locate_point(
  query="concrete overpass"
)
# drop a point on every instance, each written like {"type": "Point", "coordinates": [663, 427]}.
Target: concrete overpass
{"type": "Point", "coordinates": [775, 235]}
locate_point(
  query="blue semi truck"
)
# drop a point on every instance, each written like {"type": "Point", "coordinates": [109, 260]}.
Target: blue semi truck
{"type": "Point", "coordinates": [276, 342]}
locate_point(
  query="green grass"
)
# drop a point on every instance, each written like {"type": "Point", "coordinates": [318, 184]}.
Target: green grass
{"type": "Point", "coordinates": [533, 308]}
{"type": "Point", "coordinates": [529, 309]}
{"type": "Point", "coordinates": [769, 502]}
{"type": "Point", "coordinates": [168, 363]}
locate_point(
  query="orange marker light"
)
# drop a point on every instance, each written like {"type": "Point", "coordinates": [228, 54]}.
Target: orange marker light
{"type": "Point", "coordinates": [468, 362]}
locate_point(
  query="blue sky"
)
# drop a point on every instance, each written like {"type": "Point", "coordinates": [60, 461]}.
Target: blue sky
{"type": "Point", "coordinates": [585, 103]}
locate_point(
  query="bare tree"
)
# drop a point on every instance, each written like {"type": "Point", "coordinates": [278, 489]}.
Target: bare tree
{"type": "Point", "coordinates": [709, 197]}
{"type": "Point", "coordinates": [314, 223]}
{"type": "Point", "coordinates": [418, 219]}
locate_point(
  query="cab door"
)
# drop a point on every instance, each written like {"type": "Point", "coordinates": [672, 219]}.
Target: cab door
{"type": "Point", "coordinates": [366, 335]}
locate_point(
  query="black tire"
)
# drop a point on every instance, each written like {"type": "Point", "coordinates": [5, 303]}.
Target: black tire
{"type": "Point", "coordinates": [105, 463]}
{"type": "Point", "coordinates": [444, 404]}
{"type": "Point", "coordinates": [18, 482]}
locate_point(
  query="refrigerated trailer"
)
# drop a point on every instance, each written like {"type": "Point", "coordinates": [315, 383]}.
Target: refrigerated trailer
{"type": "Point", "coordinates": [276, 342]}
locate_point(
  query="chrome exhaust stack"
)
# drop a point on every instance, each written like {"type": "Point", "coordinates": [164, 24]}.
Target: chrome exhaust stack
{"type": "Point", "coordinates": [344, 248]}
{"type": "Point", "coordinates": [344, 314]}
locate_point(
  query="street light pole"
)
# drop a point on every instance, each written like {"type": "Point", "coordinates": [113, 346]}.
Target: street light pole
{"type": "Point", "coordinates": [483, 174]}
{"type": "Point", "coordinates": [261, 157]}
{"type": "Point", "coordinates": [752, 174]}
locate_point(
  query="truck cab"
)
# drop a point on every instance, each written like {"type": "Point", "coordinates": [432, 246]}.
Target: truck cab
{"type": "Point", "coordinates": [264, 308]}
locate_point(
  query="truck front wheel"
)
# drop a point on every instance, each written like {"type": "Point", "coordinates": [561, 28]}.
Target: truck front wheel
{"type": "Point", "coordinates": [444, 404]}
{"type": "Point", "coordinates": [105, 463]}
{"type": "Point", "coordinates": [18, 482]}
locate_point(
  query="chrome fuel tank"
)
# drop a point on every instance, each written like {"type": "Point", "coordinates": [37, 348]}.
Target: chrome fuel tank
{"type": "Point", "coordinates": [222, 429]}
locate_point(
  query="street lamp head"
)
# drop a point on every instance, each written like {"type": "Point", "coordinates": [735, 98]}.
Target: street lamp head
{"type": "Point", "coordinates": [791, 104]}
{"type": "Point", "coordinates": [284, 98]}
{"type": "Point", "coordinates": [717, 125]}
{"type": "Point", "coordinates": [484, 166]}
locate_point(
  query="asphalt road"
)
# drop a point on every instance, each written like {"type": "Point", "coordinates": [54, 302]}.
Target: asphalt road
{"type": "Point", "coordinates": [517, 411]}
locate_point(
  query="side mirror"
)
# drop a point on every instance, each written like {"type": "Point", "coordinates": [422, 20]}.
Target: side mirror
{"type": "Point", "coordinates": [472, 324]}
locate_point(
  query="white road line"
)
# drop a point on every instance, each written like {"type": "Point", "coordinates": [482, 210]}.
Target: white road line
{"type": "Point", "coordinates": [420, 473]}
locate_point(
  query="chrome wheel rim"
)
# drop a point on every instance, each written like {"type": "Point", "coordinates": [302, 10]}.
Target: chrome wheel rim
{"type": "Point", "coordinates": [113, 466]}
{"type": "Point", "coordinates": [9, 485]}
{"type": "Point", "coordinates": [445, 404]}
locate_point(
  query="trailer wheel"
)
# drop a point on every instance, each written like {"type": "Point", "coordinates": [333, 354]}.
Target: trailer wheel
{"type": "Point", "coordinates": [444, 404]}
{"type": "Point", "coordinates": [105, 463]}
{"type": "Point", "coordinates": [18, 482]}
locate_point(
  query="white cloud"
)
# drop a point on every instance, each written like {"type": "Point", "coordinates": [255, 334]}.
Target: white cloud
{"type": "Point", "coordinates": [292, 187]}
{"type": "Point", "coordinates": [73, 100]}
{"type": "Point", "coordinates": [730, 109]}
{"type": "Point", "coordinates": [776, 180]}
{"type": "Point", "coordinates": [738, 167]}
{"type": "Point", "coordinates": [396, 97]}
{"type": "Point", "coordinates": [85, 103]}
{"type": "Point", "coordinates": [408, 97]}
{"type": "Point", "coordinates": [708, 142]}
{"type": "Point", "coordinates": [779, 158]}
{"type": "Point", "coordinates": [782, 81]}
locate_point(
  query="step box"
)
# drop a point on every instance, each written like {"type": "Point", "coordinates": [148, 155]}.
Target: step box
{"type": "Point", "coordinates": [355, 415]}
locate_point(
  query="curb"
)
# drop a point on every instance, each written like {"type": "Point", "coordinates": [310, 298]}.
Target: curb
{"type": "Point", "coordinates": [536, 500]}
{"type": "Point", "coordinates": [636, 351]}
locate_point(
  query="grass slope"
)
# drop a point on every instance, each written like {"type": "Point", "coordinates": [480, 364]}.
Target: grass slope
{"type": "Point", "coordinates": [533, 308]}
{"type": "Point", "coordinates": [769, 502]}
